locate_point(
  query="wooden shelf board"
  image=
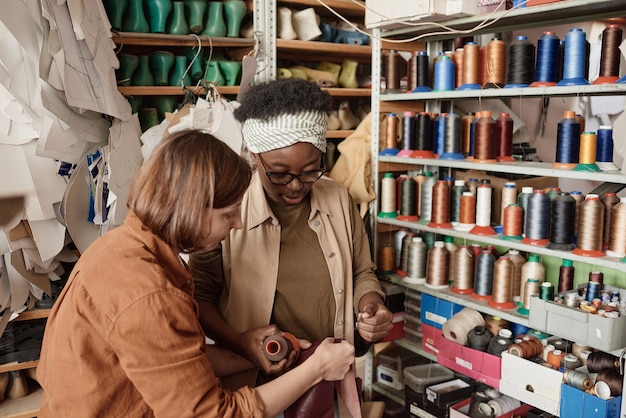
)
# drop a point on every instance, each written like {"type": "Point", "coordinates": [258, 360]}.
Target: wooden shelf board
{"type": "Point", "coordinates": [33, 314]}
{"type": "Point", "coordinates": [160, 39]}
{"type": "Point", "coordinates": [340, 6]}
{"type": "Point", "coordinates": [339, 133]}
{"type": "Point", "coordinates": [323, 48]}
{"type": "Point", "coordinates": [25, 407]}
{"type": "Point", "coordinates": [9, 367]}
{"type": "Point", "coordinates": [168, 90]}
{"type": "Point", "coordinates": [341, 92]}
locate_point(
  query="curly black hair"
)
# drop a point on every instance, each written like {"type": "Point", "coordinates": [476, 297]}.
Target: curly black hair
{"type": "Point", "coordinates": [282, 96]}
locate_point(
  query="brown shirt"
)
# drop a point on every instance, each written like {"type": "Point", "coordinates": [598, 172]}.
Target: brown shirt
{"type": "Point", "coordinates": [123, 339]}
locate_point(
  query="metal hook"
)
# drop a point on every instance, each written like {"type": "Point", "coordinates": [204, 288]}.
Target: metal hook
{"type": "Point", "coordinates": [195, 57]}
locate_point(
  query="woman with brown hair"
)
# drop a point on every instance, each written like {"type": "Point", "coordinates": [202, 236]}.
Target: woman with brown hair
{"type": "Point", "coordinates": [123, 339]}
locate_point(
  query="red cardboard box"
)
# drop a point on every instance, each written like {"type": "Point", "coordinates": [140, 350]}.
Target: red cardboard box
{"type": "Point", "coordinates": [478, 365]}
{"type": "Point", "coordinates": [431, 337]}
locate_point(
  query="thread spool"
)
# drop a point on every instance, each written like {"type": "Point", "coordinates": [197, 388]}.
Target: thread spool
{"type": "Point", "coordinates": [471, 61]}
{"type": "Point", "coordinates": [546, 291]}
{"type": "Point", "coordinates": [457, 59]}
{"type": "Point", "coordinates": [478, 338]}
{"type": "Point", "coordinates": [508, 196]}
{"type": "Point", "coordinates": [467, 212]}
{"type": "Point", "coordinates": [440, 216]}
{"type": "Point", "coordinates": [451, 138]}
{"type": "Point", "coordinates": [417, 255]}
{"type": "Point", "coordinates": [604, 149]}
{"type": "Point", "coordinates": [522, 200]}
{"type": "Point", "coordinates": [277, 347]}
{"type": "Point", "coordinates": [419, 76]}
{"type": "Point", "coordinates": [610, 55]}
{"type": "Point", "coordinates": [426, 198]}
{"type": "Point", "coordinates": [521, 62]}
{"type": "Point", "coordinates": [518, 261]}
{"type": "Point", "coordinates": [577, 379]}
{"type": "Point", "coordinates": [409, 134]}
{"type": "Point", "coordinates": [566, 276]}
{"type": "Point", "coordinates": [451, 247]}
{"type": "Point", "coordinates": [385, 259]}
{"type": "Point", "coordinates": [531, 269]}
{"type": "Point", "coordinates": [392, 71]}
{"type": "Point", "coordinates": [464, 271]}
{"type": "Point", "coordinates": [538, 219]}
{"type": "Point", "coordinates": [424, 142]}
{"type": "Point", "coordinates": [439, 134]}
{"type": "Point", "coordinates": [444, 74]}
{"type": "Point", "coordinates": [404, 254]}
{"type": "Point", "coordinates": [456, 328]}
{"type": "Point", "coordinates": [546, 66]}
{"type": "Point", "coordinates": [466, 123]}
{"type": "Point", "coordinates": [617, 235]}
{"type": "Point", "coordinates": [397, 245]}
{"type": "Point", "coordinates": [532, 287]}
{"type": "Point", "coordinates": [437, 265]}
{"type": "Point", "coordinates": [455, 201]}
{"type": "Point", "coordinates": [528, 347]}
{"type": "Point", "coordinates": [512, 222]}
{"type": "Point", "coordinates": [590, 227]}
{"type": "Point", "coordinates": [408, 200]}
{"type": "Point", "coordinates": [567, 141]}
{"type": "Point", "coordinates": [388, 197]}
{"type": "Point", "coordinates": [505, 145]}
{"type": "Point", "coordinates": [579, 198]}
{"type": "Point", "coordinates": [609, 200]}
{"type": "Point", "coordinates": [496, 64]}
{"type": "Point", "coordinates": [562, 211]}
{"type": "Point", "coordinates": [503, 405]}
{"type": "Point", "coordinates": [570, 361]}
{"type": "Point", "coordinates": [483, 276]}
{"type": "Point", "coordinates": [614, 380]}
{"type": "Point", "coordinates": [600, 360]}
{"type": "Point", "coordinates": [483, 211]}
{"type": "Point", "coordinates": [502, 294]}
{"type": "Point", "coordinates": [392, 135]}
{"type": "Point", "coordinates": [587, 153]}
{"type": "Point", "coordinates": [495, 324]}
{"type": "Point", "coordinates": [574, 58]}
{"type": "Point", "coordinates": [485, 142]}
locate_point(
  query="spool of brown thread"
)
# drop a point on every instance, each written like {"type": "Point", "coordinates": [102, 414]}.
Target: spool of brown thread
{"type": "Point", "coordinates": [392, 71]}
{"type": "Point", "coordinates": [277, 347]}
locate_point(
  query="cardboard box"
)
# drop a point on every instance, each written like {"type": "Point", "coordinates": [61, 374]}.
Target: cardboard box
{"type": "Point", "coordinates": [481, 366]}
{"type": "Point", "coordinates": [397, 331]}
{"type": "Point", "coordinates": [394, 300]}
{"type": "Point", "coordinates": [384, 14]}
{"type": "Point", "coordinates": [431, 339]}
{"type": "Point", "coordinates": [531, 383]}
{"type": "Point", "coordinates": [461, 410]}
{"type": "Point", "coordinates": [576, 403]}
{"type": "Point", "coordinates": [574, 324]}
{"type": "Point", "coordinates": [443, 394]}
{"type": "Point", "coordinates": [436, 311]}
{"type": "Point", "coordinates": [498, 184]}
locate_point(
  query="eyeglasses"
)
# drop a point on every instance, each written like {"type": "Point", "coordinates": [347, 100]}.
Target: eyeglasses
{"type": "Point", "coordinates": [286, 178]}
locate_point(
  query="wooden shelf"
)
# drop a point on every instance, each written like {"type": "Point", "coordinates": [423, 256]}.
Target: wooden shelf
{"type": "Point", "coordinates": [348, 7]}
{"type": "Point", "coordinates": [160, 39]}
{"type": "Point", "coordinates": [324, 49]}
{"type": "Point", "coordinates": [9, 367]}
{"type": "Point", "coordinates": [168, 90]}
{"type": "Point", "coordinates": [339, 133]}
{"type": "Point", "coordinates": [33, 314]}
{"type": "Point", "coordinates": [25, 407]}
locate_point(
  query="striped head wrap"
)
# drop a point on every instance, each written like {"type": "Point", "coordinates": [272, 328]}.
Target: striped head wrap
{"type": "Point", "coordinates": [286, 130]}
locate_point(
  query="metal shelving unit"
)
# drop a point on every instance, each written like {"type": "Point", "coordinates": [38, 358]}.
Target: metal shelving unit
{"type": "Point", "coordinates": [557, 13]}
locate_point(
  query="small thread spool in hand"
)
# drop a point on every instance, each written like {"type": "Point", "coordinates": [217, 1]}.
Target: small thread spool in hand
{"type": "Point", "coordinates": [277, 347]}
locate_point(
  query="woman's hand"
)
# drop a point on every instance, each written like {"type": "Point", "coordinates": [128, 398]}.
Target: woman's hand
{"type": "Point", "coordinates": [374, 320]}
{"type": "Point", "coordinates": [252, 348]}
{"type": "Point", "coordinates": [334, 358]}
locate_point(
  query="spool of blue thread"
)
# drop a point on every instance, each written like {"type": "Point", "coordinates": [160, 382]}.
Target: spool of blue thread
{"type": "Point", "coordinates": [444, 74]}
{"type": "Point", "coordinates": [518, 329]}
{"type": "Point", "coordinates": [567, 141]}
{"type": "Point", "coordinates": [604, 150]}
{"type": "Point", "coordinates": [593, 291]}
{"type": "Point", "coordinates": [546, 65]}
{"type": "Point", "coordinates": [574, 58]}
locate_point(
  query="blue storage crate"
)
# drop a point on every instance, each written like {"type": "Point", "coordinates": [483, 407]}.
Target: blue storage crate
{"type": "Point", "coordinates": [436, 311]}
{"type": "Point", "coordinates": [576, 403]}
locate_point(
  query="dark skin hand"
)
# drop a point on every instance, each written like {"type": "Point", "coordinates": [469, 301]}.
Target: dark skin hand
{"type": "Point", "coordinates": [374, 319]}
